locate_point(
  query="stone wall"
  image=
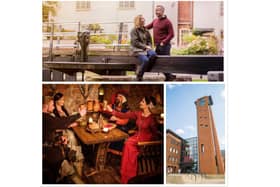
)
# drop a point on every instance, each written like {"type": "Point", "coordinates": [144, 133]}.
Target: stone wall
{"type": "Point", "coordinates": [135, 92]}
{"type": "Point", "coordinates": [75, 95]}
{"type": "Point", "coordinates": [72, 94]}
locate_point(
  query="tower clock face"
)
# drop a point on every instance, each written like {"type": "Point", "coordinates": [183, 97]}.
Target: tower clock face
{"type": "Point", "coordinates": [201, 102]}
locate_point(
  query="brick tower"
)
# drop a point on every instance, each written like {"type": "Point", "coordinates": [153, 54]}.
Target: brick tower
{"type": "Point", "coordinates": [210, 159]}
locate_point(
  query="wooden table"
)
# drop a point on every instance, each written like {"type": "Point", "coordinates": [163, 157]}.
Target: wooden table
{"type": "Point", "coordinates": [101, 141]}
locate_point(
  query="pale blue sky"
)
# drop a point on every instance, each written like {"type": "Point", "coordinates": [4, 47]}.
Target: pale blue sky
{"type": "Point", "coordinates": [181, 110]}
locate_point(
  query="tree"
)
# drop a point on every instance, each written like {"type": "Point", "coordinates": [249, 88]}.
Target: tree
{"type": "Point", "coordinates": [95, 27]}
{"type": "Point", "coordinates": [48, 7]}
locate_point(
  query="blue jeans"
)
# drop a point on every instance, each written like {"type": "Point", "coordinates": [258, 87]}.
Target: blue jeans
{"type": "Point", "coordinates": [146, 61]}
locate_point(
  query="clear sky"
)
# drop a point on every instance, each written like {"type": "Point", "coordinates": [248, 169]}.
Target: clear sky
{"type": "Point", "coordinates": [181, 110]}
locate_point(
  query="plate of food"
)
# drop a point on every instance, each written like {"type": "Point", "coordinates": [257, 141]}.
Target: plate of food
{"type": "Point", "coordinates": [109, 126]}
{"type": "Point", "coordinates": [93, 127]}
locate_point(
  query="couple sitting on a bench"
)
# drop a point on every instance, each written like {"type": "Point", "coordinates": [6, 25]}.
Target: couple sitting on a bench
{"type": "Point", "coordinates": [141, 41]}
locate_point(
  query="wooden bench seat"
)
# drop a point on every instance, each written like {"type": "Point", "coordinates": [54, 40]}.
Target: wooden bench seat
{"type": "Point", "coordinates": [191, 64]}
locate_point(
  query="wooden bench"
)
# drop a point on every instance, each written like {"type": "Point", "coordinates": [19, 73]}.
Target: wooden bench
{"type": "Point", "coordinates": [150, 158]}
{"type": "Point", "coordinates": [150, 163]}
{"type": "Point", "coordinates": [191, 64]}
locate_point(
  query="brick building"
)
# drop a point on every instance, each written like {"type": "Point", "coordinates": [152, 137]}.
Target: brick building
{"type": "Point", "coordinates": [173, 151]}
{"type": "Point", "coordinates": [210, 160]}
{"type": "Point", "coordinates": [185, 19]}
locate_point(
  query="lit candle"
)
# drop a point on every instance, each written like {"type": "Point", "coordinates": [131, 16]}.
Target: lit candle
{"type": "Point", "coordinates": [105, 129]}
{"type": "Point", "coordinates": [161, 115]}
{"type": "Point", "coordinates": [90, 120]}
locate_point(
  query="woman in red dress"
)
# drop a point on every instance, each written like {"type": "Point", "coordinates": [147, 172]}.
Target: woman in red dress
{"type": "Point", "coordinates": [147, 131]}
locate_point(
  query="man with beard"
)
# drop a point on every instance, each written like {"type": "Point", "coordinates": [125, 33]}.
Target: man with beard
{"type": "Point", "coordinates": [162, 33]}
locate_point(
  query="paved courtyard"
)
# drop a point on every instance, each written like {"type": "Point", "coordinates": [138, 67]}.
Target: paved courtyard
{"type": "Point", "coordinates": [195, 179]}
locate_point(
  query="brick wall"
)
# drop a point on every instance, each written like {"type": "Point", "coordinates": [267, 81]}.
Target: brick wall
{"type": "Point", "coordinates": [185, 11]}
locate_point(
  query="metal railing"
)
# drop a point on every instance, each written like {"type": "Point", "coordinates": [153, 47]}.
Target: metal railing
{"type": "Point", "coordinates": [54, 31]}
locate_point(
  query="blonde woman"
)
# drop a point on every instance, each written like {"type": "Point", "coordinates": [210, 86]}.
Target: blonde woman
{"type": "Point", "coordinates": [141, 42]}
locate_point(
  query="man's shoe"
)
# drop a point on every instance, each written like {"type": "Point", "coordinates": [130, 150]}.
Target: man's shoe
{"type": "Point", "coordinates": [139, 78]}
{"type": "Point", "coordinates": [170, 77]}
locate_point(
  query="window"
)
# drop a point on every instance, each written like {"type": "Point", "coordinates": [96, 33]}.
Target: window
{"type": "Point", "coordinates": [126, 4]}
{"type": "Point", "coordinates": [201, 125]}
{"type": "Point", "coordinates": [216, 160]}
{"type": "Point", "coordinates": [183, 33]}
{"type": "Point", "coordinates": [201, 102]}
{"type": "Point", "coordinates": [83, 5]}
{"type": "Point", "coordinates": [202, 148]}
{"type": "Point", "coordinates": [170, 149]}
